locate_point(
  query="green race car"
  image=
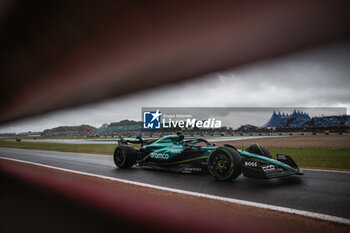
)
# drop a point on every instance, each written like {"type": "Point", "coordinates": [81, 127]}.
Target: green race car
{"type": "Point", "coordinates": [197, 155]}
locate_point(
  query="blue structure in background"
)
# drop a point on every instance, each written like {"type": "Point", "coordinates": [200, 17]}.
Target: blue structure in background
{"type": "Point", "coordinates": [295, 120]}
{"type": "Point", "coordinates": [299, 119]}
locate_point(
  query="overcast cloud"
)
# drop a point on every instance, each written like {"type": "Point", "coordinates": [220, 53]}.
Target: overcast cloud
{"type": "Point", "coordinates": [314, 78]}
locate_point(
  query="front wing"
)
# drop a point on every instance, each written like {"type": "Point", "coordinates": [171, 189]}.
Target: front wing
{"type": "Point", "coordinates": [284, 166]}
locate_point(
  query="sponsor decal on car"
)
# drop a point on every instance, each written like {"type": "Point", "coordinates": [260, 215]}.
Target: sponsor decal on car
{"type": "Point", "coordinates": [268, 168]}
{"type": "Point", "coordinates": [250, 164]}
{"type": "Point", "coordinates": [176, 151]}
{"type": "Point", "coordinates": [159, 156]}
{"type": "Point", "coordinates": [193, 169]}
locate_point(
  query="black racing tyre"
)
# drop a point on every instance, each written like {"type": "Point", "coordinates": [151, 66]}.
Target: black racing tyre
{"type": "Point", "coordinates": [224, 163]}
{"type": "Point", "coordinates": [124, 156]}
{"type": "Point", "coordinates": [259, 150]}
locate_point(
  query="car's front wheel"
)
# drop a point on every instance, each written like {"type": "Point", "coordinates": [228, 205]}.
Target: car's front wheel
{"type": "Point", "coordinates": [124, 156]}
{"type": "Point", "coordinates": [224, 163]}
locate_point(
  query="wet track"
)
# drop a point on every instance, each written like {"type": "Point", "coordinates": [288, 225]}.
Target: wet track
{"type": "Point", "coordinates": [317, 191]}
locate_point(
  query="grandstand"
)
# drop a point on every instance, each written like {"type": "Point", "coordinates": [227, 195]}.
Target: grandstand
{"type": "Point", "coordinates": [295, 120]}
{"type": "Point", "coordinates": [299, 119]}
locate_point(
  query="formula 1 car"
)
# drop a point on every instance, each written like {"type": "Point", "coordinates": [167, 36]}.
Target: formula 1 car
{"type": "Point", "coordinates": [174, 153]}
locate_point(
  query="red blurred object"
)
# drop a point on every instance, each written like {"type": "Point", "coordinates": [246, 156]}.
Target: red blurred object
{"type": "Point", "coordinates": [153, 214]}
{"type": "Point", "coordinates": [57, 54]}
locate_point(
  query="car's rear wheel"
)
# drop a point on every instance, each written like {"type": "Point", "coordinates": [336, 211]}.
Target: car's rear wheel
{"type": "Point", "coordinates": [259, 150]}
{"type": "Point", "coordinates": [224, 163]}
{"type": "Point", "coordinates": [124, 156]}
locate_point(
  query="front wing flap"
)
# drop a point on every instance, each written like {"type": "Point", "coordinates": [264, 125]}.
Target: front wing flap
{"type": "Point", "coordinates": [262, 169]}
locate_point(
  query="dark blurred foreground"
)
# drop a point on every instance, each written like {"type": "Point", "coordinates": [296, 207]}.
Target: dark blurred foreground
{"type": "Point", "coordinates": [58, 54]}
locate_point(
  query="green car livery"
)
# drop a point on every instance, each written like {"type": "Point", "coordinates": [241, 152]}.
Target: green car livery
{"type": "Point", "coordinates": [196, 155]}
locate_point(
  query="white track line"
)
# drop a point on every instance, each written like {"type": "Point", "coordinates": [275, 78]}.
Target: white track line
{"type": "Point", "coordinates": [323, 170]}
{"type": "Point", "coordinates": [324, 217]}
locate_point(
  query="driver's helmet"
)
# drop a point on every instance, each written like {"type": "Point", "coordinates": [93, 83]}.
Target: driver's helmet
{"type": "Point", "coordinates": [178, 132]}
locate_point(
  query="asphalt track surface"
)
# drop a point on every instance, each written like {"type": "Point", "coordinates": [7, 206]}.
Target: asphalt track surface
{"type": "Point", "coordinates": [324, 192]}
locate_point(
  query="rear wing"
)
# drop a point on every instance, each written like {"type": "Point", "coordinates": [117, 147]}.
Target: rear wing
{"type": "Point", "coordinates": [136, 140]}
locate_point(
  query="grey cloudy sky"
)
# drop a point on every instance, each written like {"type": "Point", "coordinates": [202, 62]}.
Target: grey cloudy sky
{"type": "Point", "coordinates": [315, 78]}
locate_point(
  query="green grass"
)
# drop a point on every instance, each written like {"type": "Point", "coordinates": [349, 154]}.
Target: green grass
{"type": "Point", "coordinates": [317, 157]}
{"type": "Point", "coordinates": [64, 147]}
{"type": "Point", "coordinates": [338, 159]}
{"type": "Point", "coordinates": [305, 157]}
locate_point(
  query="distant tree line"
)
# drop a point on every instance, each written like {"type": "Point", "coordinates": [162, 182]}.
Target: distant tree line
{"type": "Point", "coordinates": [70, 128]}
{"type": "Point", "coordinates": [123, 123]}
